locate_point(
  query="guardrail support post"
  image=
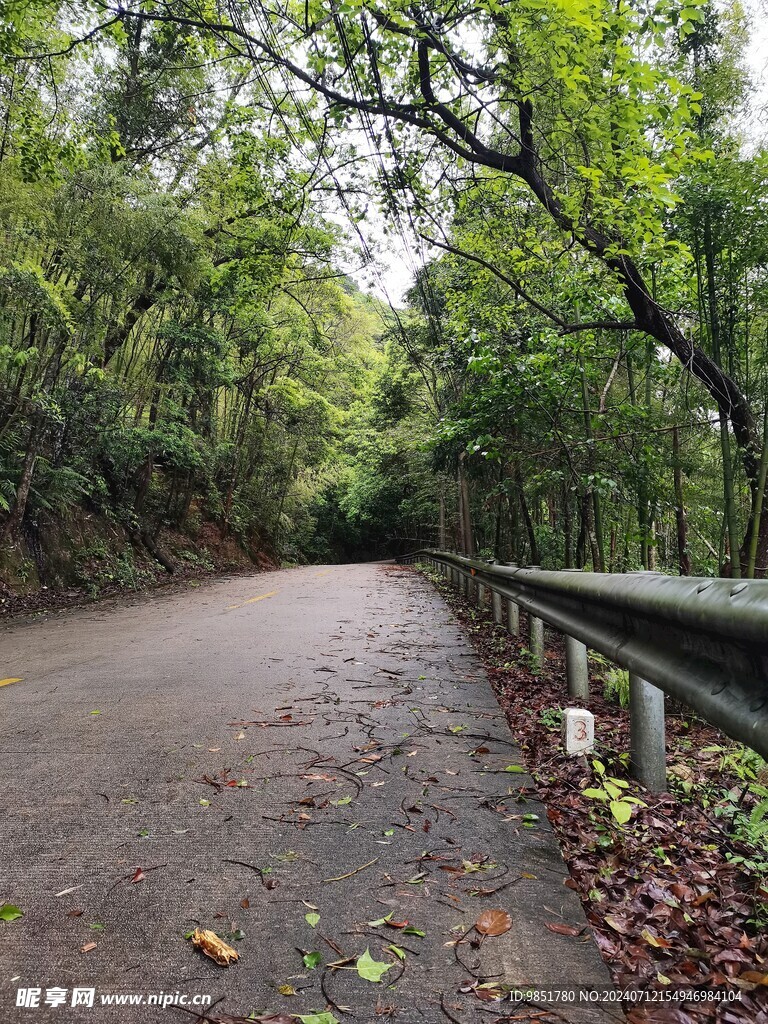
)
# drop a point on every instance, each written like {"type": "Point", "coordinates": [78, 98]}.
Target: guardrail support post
{"type": "Point", "coordinates": [481, 595]}
{"type": "Point", "coordinates": [513, 618]}
{"type": "Point", "coordinates": [536, 642]}
{"type": "Point", "coordinates": [497, 609]}
{"type": "Point", "coordinates": [646, 733]}
{"type": "Point", "coordinates": [576, 668]}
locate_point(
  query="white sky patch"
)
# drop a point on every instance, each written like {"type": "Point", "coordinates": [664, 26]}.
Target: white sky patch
{"type": "Point", "coordinates": [757, 62]}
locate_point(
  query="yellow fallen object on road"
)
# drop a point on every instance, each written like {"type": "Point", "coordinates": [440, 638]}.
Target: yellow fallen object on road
{"type": "Point", "coordinates": [214, 947]}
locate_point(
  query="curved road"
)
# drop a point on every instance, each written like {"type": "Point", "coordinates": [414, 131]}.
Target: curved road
{"type": "Point", "coordinates": [237, 754]}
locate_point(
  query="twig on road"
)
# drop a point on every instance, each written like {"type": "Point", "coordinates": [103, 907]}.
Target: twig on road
{"type": "Point", "coordinates": [339, 878]}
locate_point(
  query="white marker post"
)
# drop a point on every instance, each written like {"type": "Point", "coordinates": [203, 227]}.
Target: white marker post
{"type": "Point", "coordinates": [578, 731]}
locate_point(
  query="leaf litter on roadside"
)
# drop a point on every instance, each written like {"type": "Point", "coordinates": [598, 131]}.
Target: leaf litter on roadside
{"type": "Point", "coordinates": [668, 909]}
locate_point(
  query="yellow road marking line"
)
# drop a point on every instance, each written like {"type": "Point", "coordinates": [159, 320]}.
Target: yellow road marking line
{"type": "Point", "coordinates": [7, 682]}
{"type": "Point", "coordinates": [251, 600]}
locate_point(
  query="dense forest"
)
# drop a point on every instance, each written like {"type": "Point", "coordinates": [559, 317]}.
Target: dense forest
{"type": "Point", "coordinates": [198, 359]}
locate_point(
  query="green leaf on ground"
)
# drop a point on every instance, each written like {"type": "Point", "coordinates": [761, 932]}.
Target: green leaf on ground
{"type": "Point", "coordinates": [397, 951]}
{"type": "Point", "coordinates": [515, 768]}
{"type": "Point", "coordinates": [312, 960]}
{"type": "Point", "coordinates": [382, 920]}
{"type": "Point", "coordinates": [621, 810]}
{"type": "Point", "coordinates": [10, 913]}
{"type": "Point", "coordinates": [342, 802]}
{"type": "Point", "coordinates": [370, 969]}
{"type": "Point", "coordinates": [313, 920]}
{"type": "Point", "coordinates": [317, 1018]}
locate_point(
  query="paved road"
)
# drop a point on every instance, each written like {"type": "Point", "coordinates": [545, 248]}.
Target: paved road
{"type": "Point", "coordinates": [373, 754]}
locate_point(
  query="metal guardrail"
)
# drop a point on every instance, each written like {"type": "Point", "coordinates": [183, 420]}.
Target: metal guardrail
{"type": "Point", "coordinates": [702, 641]}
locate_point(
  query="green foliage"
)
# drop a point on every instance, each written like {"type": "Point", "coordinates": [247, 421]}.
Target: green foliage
{"type": "Point", "coordinates": [612, 793]}
{"type": "Point", "coordinates": [616, 686]}
{"type": "Point", "coordinates": [176, 345]}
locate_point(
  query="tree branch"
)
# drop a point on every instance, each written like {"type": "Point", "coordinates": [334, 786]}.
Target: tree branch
{"type": "Point", "coordinates": [514, 285]}
{"type": "Point", "coordinates": [601, 325]}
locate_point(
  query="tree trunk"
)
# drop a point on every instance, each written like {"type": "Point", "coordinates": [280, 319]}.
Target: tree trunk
{"type": "Point", "coordinates": [596, 517]}
{"type": "Point", "coordinates": [683, 556]}
{"type": "Point", "coordinates": [529, 527]}
{"type": "Point", "coordinates": [567, 527]}
{"type": "Point", "coordinates": [16, 515]}
{"type": "Point", "coordinates": [468, 540]}
{"type": "Point", "coordinates": [754, 554]}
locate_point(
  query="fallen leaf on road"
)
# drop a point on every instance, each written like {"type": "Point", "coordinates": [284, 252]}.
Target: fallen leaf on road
{"type": "Point", "coordinates": [287, 990]}
{"type": "Point", "coordinates": [208, 942]}
{"type": "Point", "coordinates": [313, 920]}
{"type": "Point", "coordinates": [10, 913]}
{"type": "Point", "coordinates": [245, 904]}
{"type": "Point", "coordinates": [370, 969]}
{"type": "Point", "coordinates": [493, 922]}
{"type": "Point", "coordinates": [380, 920]}
{"type": "Point", "coordinates": [139, 876]}
{"type": "Point", "coordinates": [564, 929]}
{"type": "Point", "coordinates": [486, 992]}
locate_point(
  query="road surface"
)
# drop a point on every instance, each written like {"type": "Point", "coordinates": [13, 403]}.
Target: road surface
{"type": "Point", "coordinates": [245, 753]}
